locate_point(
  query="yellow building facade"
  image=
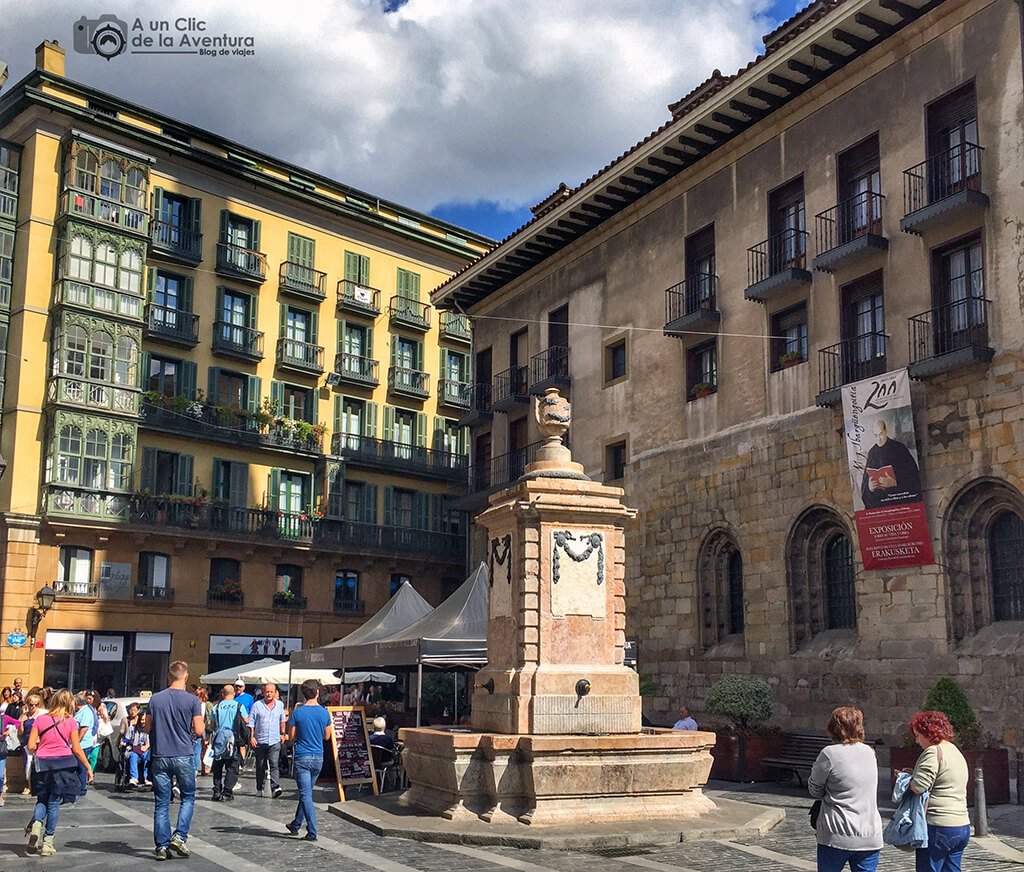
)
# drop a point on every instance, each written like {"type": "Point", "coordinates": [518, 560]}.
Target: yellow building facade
{"type": "Point", "coordinates": [230, 415]}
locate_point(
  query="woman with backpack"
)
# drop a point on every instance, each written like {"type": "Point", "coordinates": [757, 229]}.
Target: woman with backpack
{"type": "Point", "coordinates": [55, 742]}
{"type": "Point", "coordinates": [229, 731]}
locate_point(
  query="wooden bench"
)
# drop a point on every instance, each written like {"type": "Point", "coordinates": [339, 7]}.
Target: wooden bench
{"type": "Point", "coordinates": [799, 751]}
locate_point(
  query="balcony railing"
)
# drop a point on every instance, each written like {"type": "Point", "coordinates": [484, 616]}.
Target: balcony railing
{"type": "Point", "coordinates": [220, 598]}
{"type": "Point", "coordinates": [477, 405]}
{"type": "Point", "coordinates": [776, 256]}
{"type": "Point", "coordinates": [855, 223]}
{"type": "Point", "coordinates": [305, 356]}
{"type": "Point", "coordinates": [368, 450]}
{"type": "Point", "coordinates": [169, 237]}
{"type": "Point", "coordinates": [412, 382]}
{"type": "Point", "coordinates": [455, 325]}
{"type": "Point", "coordinates": [172, 325]}
{"type": "Point", "coordinates": [359, 299]}
{"type": "Point", "coordinates": [349, 606]}
{"type": "Point", "coordinates": [241, 262]}
{"type": "Point", "coordinates": [391, 540]}
{"type": "Point", "coordinates": [8, 193]}
{"type": "Point", "coordinates": [957, 329]}
{"type": "Point", "coordinates": [550, 368]}
{"type": "Point", "coordinates": [66, 389]}
{"type": "Point", "coordinates": [454, 393]}
{"type": "Point", "coordinates": [85, 205]}
{"type": "Point", "coordinates": [510, 387]}
{"type": "Point", "coordinates": [75, 501]}
{"type": "Point", "coordinates": [692, 305]}
{"type": "Point", "coordinates": [99, 299]}
{"type": "Point", "coordinates": [196, 514]}
{"type": "Point", "coordinates": [413, 314]}
{"type": "Point", "coordinates": [849, 361]}
{"type": "Point", "coordinates": [158, 593]}
{"type": "Point", "coordinates": [302, 281]}
{"type": "Point", "coordinates": [943, 175]}
{"type": "Point", "coordinates": [502, 469]}
{"type": "Point", "coordinates": [76, 589]}
{"type": "Point", "coordinates": [356, 369]}
{"type": "Point", "coordinates": [236, 340]}
{"type": "Point", "coordinates": [289, 602]}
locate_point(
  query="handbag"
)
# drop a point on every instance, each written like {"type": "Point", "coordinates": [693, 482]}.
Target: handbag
{"type": "Point", "coordinates": [104, 728]}
{"type": "Point", "coordinates": [813, 813]}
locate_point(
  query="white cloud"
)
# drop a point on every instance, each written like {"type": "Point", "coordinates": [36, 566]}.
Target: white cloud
{"type": "Point", "coordinates": [442, 100]}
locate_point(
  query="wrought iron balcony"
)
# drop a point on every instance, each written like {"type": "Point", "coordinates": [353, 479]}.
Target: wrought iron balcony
{"type": "Point", "coordinates": [377, 538]}
{"type": "Point", "coordinates": [776, 265]}
{"type": "Point", "coordinates": [948, 337]}
{"type": "Point", "coordinates": [550, 369]}
{"type": "Point", "coordinates": [371, 452]}
{"type": "Point", "coordinates": [478, 404]}
{"type": "Point", "coordinates": [510, 388]}
{"type": "Point", "coordinates": [301, 356]}
{"type": "Point", "coordinates": [302, 281]}
{"type": "Point", "coordinates": [349, 606]}
{"type": "Point", "coordinates": [237, 341]}
{"type": "Point", "coordinates": [849, 361]}
{"type": "Point", "coordinates": [76, 391]}
{"type": "Point", "coordinates": [172, 325]}
{"type": "Point", "coordinates": [411, 314]}
{"type": "Point", "coordinates": [181, 243]}
{"type": "Point", "coordinates": [356, 369]}
{"type": "Point", "coordinates": [241, 263]}
{"type": "Point", "coordinates": [410, 382]}
{"type": "Point", "coordinates": [849, 230]}
{"type": "Point", "coordinates": [202, 516]}
{"type": "Point", "coordinates": [358, 299]}
{"type": "Point", "coordinates": [224, 599]}
{"type": "Point", "coordinates": [455, 326]}
{"type": "Point", "coordinates": [503, 469]}
{"type": "Point", "coordinates": [81, 204]}
{"type": "Point", "coordinates": [454, 393]}
{"type": "Point", "coordinates": [158, 593]}
{"type": "Point", "coordinates": [946, 185]}
{"type": "Point", "coordinates": [691, 306]}
{"type": "Point", "coordinates": [288, 601]}
{"type": "Point", "coordinates": [76, 589]}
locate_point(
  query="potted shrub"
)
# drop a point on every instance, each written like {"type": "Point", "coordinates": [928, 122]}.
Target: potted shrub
{"type": "Point", "coordinates": [703, 389]}
{"type": "Point", "coordinates": [979, 750]}
{"type": "Point", "coordinates": [746, 701]}
{"type": "Point", "coordinates": [790, 358]}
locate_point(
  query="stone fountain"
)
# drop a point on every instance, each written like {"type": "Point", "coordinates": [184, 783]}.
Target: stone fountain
{"type": "Point", "coordinates": [556, 735]}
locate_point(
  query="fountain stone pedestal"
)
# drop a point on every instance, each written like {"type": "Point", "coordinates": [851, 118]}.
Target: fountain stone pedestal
{"type": "Point", "coordinates": [556, 736]}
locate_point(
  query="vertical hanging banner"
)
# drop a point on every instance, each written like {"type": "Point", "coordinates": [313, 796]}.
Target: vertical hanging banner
{"type": "Point", "coordinates": [884, 472]}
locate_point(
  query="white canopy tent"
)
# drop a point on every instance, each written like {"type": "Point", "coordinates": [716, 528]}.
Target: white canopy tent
{"type": "Point", "coordinates": [233, 673]}
{"type": "Point", "coordinates": [282, 673]}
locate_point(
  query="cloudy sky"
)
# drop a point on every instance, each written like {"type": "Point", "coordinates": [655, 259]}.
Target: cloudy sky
{"type": "Point", "coordinates": [467, 109]}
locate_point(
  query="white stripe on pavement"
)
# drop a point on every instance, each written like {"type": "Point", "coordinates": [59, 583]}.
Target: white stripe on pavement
{"type": "Point", "coordinates": [766, 854]}
{"type": "Point", "coordinates": [645, 863]}
{"type": "Point", "coordinates": [494, 859]}
{"type": "Point", "coordinates": [209, 852]}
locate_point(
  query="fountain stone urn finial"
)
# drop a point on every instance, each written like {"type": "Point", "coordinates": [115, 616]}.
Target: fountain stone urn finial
{"type": "Point", "coordinates": [553, 414]}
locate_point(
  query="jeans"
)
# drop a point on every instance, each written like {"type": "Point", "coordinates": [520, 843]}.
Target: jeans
{"type": "Point", "coordinates": [47, 809]}
{"type": "Point", "coordinates": [138, 763]}
{"type": "Point", "coordinates": [945, 849]}
{"type": "Point", "coordinates": [267, 756]}
{"type": "Point", "coordinates": [306, 770]}
{"type": "Point", "coordinates": [225, 775]}
{"type": "Point", "coordinates": [835, 859]}
{"type": "Point", "coordinates": [197, 747]}
{"type": "Point", "coordinates": [162, 771]}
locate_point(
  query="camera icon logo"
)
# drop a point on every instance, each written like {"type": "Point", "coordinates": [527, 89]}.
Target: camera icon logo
{"type": "Point", "coordinates": [106, 36]}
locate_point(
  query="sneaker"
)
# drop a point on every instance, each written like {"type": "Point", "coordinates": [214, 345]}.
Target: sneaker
{"type": "Point", "coordinates": [133, 782]}
{"type": "Point", "coordinates": [176, 792]}
{"type": "Point", "coordinates": [217, 797]}
{"type": "Point", "coordinates": [259, 793]}
{"type": "Point", "coordinates": [294, 830]}
{"type": "Point", "coordinates": [229, 797]}
{"type": "Point", "coordinates": [276, 792]}
{"type": "Point", "coordinates": [309, 837]}
{"type": "Point", "coordinates": [162, 854]}
{"type": "Point", "coordinates": [179, 847]}
{"type": "Point", "coordinates": [34, 831]}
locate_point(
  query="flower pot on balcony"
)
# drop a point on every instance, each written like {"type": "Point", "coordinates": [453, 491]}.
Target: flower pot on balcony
{"type": "Point", "coordinates": [994, 763]}
{"type": "Point", "coordinates": [738, 758]}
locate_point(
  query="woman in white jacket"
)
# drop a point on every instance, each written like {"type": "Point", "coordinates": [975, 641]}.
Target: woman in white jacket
{"type": "Point", "coordinates": [845, 779]}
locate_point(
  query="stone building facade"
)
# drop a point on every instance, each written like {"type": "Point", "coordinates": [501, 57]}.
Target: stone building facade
{"type": "Point", "coordinates": [850, 203]}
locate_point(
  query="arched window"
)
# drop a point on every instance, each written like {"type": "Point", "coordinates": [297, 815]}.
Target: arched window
{"type": "Point", "coordinates": [85, 170]}
{"type": "Point", "coordinates": [120, 462]}
{"type": "Point", "coordinates": [130, 275]}
{"type": "Point", "coordinates": [100, 356]}
{"type": "Point", "coordinates": [69, 454]}
{"type": "Point", "coordinates": [111, 180]}
{"type": "Point", "coordinates": [135, 189]}
{"type": "Point", "coordinates": [720, 578]}
{"type": "Point", "coordinates": [105, 268]}
{"type": "Point", "coordinates": [124, 362]}
{"type": "Point", "coordinates": [1006, 560]}
{"type": "Point", "coordinates": [80, 259]}
{"type": "Point", "coordinates": [820, 575]}
{"type": "Point", "coordinates": [75, 342]}
{"type": "Point", "coordinates": [94, 470]}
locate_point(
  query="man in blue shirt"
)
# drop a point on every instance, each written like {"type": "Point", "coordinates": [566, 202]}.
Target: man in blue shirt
{"type": "Point", "coordinates": [225, 769]}
{"type": "Point", "coordinates": [309, 727]}
{"type": "Point", "coordinates": [685, 722]}
{"type": "Point", "coordinates": [268, 730]}
{"type": "Point", "coordinates": [243, 698]}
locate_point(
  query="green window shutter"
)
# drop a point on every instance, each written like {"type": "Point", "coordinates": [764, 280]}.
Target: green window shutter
{"type": "Point", "coordinates": [368, 350]}
{"type": "Point", "coordinates": [351, 267]}
{"type": "Point", "coordinates": [301, 250]}
{"type": "Point", "coordinates": [313, 415]}
{"type": "Point", "coordinates": [195, 215]}
{"type": "Point", "coordinates": [436, 512]}
{"type": "Point", "coordinates": [145, 364]}
{"type": "Point", "coordinates": [463, 440]}
{"type": "Point", "coordinates": [338, 400]}
{"type": "Point", "coordinates": [217, 488]}
{"type": "Point", "coordinates": [184, 475]}
{"type": "Point", "coordinates": [394, 351]}
{"type": "Point", "coordinates": [213, 385]}
{"type": "Point", "coordinates": [389, 424]}
{"type": "Point", "coordinates": [368, 504]}
{"type": "Point", "coordinates": [419, 511]}
{"type": "Point", "coordinates": [158, 202]}
{"type": "Point", "coordinates": [148, 470]}
{"type": "Point", "coordinates": [219, 311]}
{"type": "Point", "coordinates": [408, 284]}
{"type": "Point", "coordinates": [187, 379]}
{"type": "Point", "coordinates": [251, 312]}
{"type": "Point", "coordinates": [225, 220]}
{"type": "Point", "coordinates": [185, 295]}
{"type": "Point", "coordinates": [277, 396]}
{"type": "Point", "coordinates": [150, 283]}
{"type": "Point", "coordinates": [421, 430]}
{"type": "Point", "coordinates": [442, 368]}
{"type": "Point", "coordinates": [238, 494]}
{"type": "Point", "coordinates": [370, 420]}
{"type": "Point", "coordinates": [255, 235]}
{"type": "Point", "coordinates": [418, 356]}
{"type": "Point", "coordinates": [252, 393]}
{"type": "Point", "coordinates": [389, 506]}
{"type": "Point", "coordinates": [313, 324]}
{"type": "Point", "coordinates": [437, 439]}
{"type": "Point", "coordinates": [274, 497]}
{"type": "Point", "coordinates": [341, 336]}
{"type": "Point", "coordinates": [284, 321]}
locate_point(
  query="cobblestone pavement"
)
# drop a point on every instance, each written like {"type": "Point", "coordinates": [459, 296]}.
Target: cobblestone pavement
{"type": "Point", "coordinates": [112, 831]}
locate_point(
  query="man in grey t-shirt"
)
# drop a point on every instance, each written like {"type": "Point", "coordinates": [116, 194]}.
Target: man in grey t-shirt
{"type": "Point", "coordinates": [173, 719]}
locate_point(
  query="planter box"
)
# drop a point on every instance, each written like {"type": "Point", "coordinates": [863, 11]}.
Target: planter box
{"type": "Point", "coordinates": [727, 758]}
{"type": "Point", "coordinates": [994, 762]}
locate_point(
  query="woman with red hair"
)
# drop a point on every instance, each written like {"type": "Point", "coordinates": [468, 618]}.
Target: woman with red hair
{"type": "Point", "coordinates": [942, 771]}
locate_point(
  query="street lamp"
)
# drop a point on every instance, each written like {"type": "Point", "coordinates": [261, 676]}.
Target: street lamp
{"type": "Point", "coordinates": [44, 601]}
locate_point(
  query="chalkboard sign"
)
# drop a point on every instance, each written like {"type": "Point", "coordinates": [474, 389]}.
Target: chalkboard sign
{"type": "Point", "coordinates": [350, 739]}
